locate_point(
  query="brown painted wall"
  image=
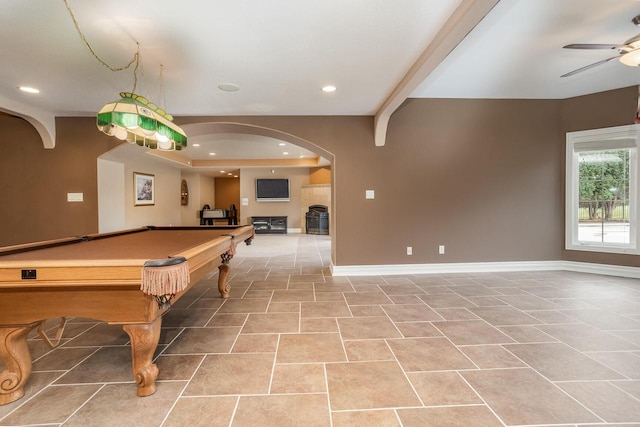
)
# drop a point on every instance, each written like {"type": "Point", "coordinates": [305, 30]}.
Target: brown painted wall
{"type": "Point", "coordinates": [34, 181]}
{"type": "Point", "coordinates": [320, 175]}
{"type": "Point", "coordinates": [227, 192]}
{"type": "Point", "coordinates": [483, 177]}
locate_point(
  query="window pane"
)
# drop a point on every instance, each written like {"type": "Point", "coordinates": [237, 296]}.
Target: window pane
{"type": "Point", "coordinates": [603, 181]}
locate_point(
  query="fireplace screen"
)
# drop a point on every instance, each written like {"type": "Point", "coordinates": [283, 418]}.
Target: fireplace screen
{"type": "Point", "coordinates": [317, 220]}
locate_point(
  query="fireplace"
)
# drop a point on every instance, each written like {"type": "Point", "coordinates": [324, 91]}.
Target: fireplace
{"type": "Point", "coordinates": [317, 220]}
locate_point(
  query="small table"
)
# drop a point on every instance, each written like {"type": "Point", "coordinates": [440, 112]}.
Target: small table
{"type": "Point", "coordinates": [100, 277]}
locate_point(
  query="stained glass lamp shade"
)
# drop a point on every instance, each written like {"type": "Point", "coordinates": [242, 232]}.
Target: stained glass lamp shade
{"type": "Point", "coordinates": [135, 119]}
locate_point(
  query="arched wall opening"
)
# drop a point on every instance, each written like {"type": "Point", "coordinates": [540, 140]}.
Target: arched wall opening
{"type": "Point", "coordinates": [207, 128]}
{"type": "Point", "coordinates": [111, 164]}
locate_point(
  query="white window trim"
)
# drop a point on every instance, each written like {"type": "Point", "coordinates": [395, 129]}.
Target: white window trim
{"type": "Point", "coordinates": [614, 137]}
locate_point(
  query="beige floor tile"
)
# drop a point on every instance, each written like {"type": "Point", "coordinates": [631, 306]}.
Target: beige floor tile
{"type": "Point", "coordinates": [284, 307]}
{"type": "Point", "coordinates": [294, 378]}
{"type": "Point", "coordinates": [325, 309]}
{"type": "Point", "coordinates": [117, 404]}
{"type": "Point", "coordinates": [36, 382]}
{"type": "Point", "coordinates": [520, 396]}
{"type": "Point", "coordinates": [529, 302]}
{"type": "Point", "coordinates": [329, 296]}
{"type": "Point", "coordinates": [558, 362]}
{"type": "Point", "coordinates": [202, 412]}
{"type": "Point", "coordinates": [256, 343]}
{"type": "Point", "coordinates": [491, 356]}
{"type": "Point", "coordinates": [605, 400]}
{"type": "Point", "coordinates": [178, 367]}
{"type": "Point", "coordinates": [293, 295]}
{"type": "Point", "coordinates": [527, 334]}
{"type": "Point", "coordinates": [418, 329]}
{"type": "Point", "coordinates": [368, 385]}
{"type": "Point", "coordinates": [456, 314]}
{"type": "Point", "coordinates": [446, 301]}
{"type": "Point", "coordinates": [367, 311]}
{"type": "Point", "coordinates": [53, 405]}
{"type": "Point", "coordinates": [63, 359]}
{"type": "Point", "coordinates": [271, 323]}
{"type": "Point", "coordinates": [458, 416]}
{"type": "Point", "coordinates": [244, 306]}
{"type": "Point", "coordinates": [310, 348]}
{"type": "Point", "coordinates": [367, 298]}
{"type": "Point", "coordinates": [381, 418]}
{"type": "Point", "coordinates": [241, 373]}
{"type": "Point", "coordinates": [293, 410]}
{"type": "Point", "coordinates": [411, 313]}
{"type": "Point", "coordinates": [204, 340]}
{"type": "Point", "coordinates": [402, 289]}
{"type": "Point", "coordinates": [367, 328]}
{"type": "Point", "coordinates": [626, 363]}
{"type": "Point", "coordinates": [469, 332]}
{"type": "Point", "coordinates": [428, 354]}
{"type": "Point", "coordinates": [442, 388]}
{"type": "Point", "coordinates": [106, 364]}
{"type": "Point", "coordinates": [235, 319]}
{"type": "Point", "coordinates": [587, 338]}
{"type": "Point", "coordinates": [186, 318]}
{"type": "Point", "coordinates": [504, 316]}
{"type": "Point", "coordinates": [262, 285]}
{"type": "Point", "coordinates": [367, 350]}
{"type": "Point", "coordinates": [630, 387]}
{"type": "Point", "coordinates": [322, 324]}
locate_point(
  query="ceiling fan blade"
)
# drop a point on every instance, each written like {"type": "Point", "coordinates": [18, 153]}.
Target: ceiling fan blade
{"type": "Point", "coordinates": [595, 64]}
{"type": "Point", "coordinates": [593, 46]}
{"type": "Point", "coordinates": [632, 40]}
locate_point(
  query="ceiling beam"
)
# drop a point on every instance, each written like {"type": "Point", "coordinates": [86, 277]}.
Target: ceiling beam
{"type": "Point", "coordinates": [460, 23]}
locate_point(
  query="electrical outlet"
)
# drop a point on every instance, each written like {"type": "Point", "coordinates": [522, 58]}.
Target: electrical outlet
{"type": "Point", "coordinates": [441, 249]}
{"type": "Point", "coordinates": [409, 250]}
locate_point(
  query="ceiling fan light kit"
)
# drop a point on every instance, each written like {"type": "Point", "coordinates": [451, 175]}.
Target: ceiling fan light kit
{"type": "Point", "coordinates": [628, 52]}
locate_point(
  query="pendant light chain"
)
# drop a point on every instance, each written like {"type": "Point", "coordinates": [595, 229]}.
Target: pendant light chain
{"type": "Point", "coordinates": [135, 59]}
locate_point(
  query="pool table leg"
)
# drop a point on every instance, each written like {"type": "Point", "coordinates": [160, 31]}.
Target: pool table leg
{"type": "Point", "coordinates": [144, 341]}
{"type": "Point", "coordinates": [223, 286]}
{"type": "Point", "coordinates": [14, 352]}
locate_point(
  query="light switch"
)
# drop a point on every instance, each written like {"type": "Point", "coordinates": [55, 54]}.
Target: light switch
{"type": "Point", "coordinates": [75, 197]}
{"type": "Point", "coordinates": [245, 201]}
{"type": "Point", "coordinates": [369, 194]}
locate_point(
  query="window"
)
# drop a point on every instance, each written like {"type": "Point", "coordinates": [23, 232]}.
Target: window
{"type": "Point", "coordinates": [601, 190]}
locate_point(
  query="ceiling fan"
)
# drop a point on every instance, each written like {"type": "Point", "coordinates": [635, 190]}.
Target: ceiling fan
{"type": "Point", "coordinates": [628, 52]}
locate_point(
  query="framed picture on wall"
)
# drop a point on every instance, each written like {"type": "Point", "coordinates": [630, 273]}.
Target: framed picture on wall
{"type": "Point", "coordinates": [144, 189]}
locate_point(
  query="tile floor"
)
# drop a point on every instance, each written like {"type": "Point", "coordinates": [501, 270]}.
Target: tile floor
{"type": "Point", "coordinates": [294, 346]}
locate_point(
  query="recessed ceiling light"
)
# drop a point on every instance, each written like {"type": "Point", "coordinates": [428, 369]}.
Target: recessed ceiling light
{"type": "Point", "coordinates": [212, 154]}
{"type": "Point", "coordinates": [229, 173]}
{"type": "Point", "coordinates": [222, 171]}
{"type": "Point", "coordinates": [29, 89]}
{"type": "Point", "coordinates": [285, 152]}
{"type": "Point", "coordinates": [329, 88]}
{"type": "Point", "coordinates": [229, 87]}
{"type": "Point", "coordinates": [195, 145]}
{"type": "Point", "coordinates": [282, 144]}
{"type": "Point", "coordinates": [235, 176]}
{"type": "Point", "coordinates": [301, 156]}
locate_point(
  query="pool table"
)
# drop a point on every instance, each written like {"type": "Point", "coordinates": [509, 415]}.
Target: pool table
{"type": "Point", "coordinates": [101, 276]}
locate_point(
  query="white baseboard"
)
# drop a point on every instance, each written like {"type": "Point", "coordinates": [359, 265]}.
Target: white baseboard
{"type": "Point", "coordinates": [483, 267]}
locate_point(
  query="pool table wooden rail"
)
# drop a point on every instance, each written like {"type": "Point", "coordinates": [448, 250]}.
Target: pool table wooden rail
{"type": "Point", "coordinates": [107, 290]}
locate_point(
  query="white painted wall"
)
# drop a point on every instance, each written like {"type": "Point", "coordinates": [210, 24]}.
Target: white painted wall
{"type": "Point", "coordinates": [110, 196]}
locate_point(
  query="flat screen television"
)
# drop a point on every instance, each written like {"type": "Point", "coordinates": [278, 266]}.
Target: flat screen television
{"type": "Point", "coordinates": [272, 190]}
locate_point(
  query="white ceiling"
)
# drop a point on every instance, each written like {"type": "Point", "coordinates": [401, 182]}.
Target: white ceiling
{"type": "Point", "coordinates": [281, 52]}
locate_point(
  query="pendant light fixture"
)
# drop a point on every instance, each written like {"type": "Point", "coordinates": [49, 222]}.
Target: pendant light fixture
{"type": "Point", "coordinates": [133, 117]}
